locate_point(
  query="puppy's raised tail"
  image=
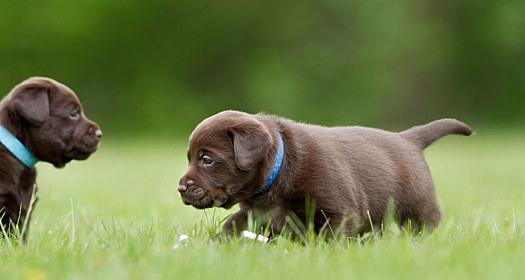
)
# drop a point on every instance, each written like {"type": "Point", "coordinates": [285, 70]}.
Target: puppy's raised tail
{"type": "Point", "coordinates": [424, 135]}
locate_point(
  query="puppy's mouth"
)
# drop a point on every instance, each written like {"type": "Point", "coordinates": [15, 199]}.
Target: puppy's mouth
{"type": "Point", "coordinates": [81, 152]}
{"type": "Point", "coordinates": [200, 199]}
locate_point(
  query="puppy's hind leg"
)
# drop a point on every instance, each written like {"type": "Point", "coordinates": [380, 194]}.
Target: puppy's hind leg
{"type": "Point", "coordinates": [421, 214]}
{"type": "Point", "coordinates": [429, 215]}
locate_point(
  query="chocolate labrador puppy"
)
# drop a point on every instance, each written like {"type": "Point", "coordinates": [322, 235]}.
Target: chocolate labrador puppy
{"type": "Point", "coordinates": [40, 119]}
{"type": "Point", "coordinates": [271, 166]}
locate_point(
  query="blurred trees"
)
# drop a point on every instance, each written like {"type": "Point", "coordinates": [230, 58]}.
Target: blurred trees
{"type": "Point", "coordinates": [162, 66]}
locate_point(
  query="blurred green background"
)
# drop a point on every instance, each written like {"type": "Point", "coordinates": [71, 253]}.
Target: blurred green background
{"type": "Point", "coordinates": [144, 67]}
{"type": "Point", "coordinates": [156, 68]}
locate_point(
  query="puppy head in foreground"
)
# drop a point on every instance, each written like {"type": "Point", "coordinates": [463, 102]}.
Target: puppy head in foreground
{"type": "Point", "coordinates": [227, 156]}
{"type": "Point", "coordinates": [49, 120]}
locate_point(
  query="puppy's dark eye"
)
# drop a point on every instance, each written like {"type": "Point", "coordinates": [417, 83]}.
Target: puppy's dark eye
{"type": "Point", "coordinates": [207, 161]}
{"type": "Point", "coordinates": [75, 115]}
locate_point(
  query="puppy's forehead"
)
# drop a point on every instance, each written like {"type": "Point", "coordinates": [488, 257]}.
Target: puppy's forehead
{"type": "Point", "coordinates": [58, 92]}
{"type": "Point", "coordinates": [213, 130]}
{"type": "Point", "coordinates": [64, 98]}
{"type": "Point", "coordinates": [64, 94]}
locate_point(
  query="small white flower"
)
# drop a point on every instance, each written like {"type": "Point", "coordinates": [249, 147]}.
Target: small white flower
{"type": "Point", "coordinates": [182, 242]}
{"type": "Point", "coordinates": [254, 236]}
{"type": "Point", "coordinates": [183, 238]}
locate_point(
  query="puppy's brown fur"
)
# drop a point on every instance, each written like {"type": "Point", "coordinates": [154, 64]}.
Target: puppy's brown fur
{"type": "Point", "coordinates": [351, 173]}
{"type": "Point", "coordinates": [46, 116]}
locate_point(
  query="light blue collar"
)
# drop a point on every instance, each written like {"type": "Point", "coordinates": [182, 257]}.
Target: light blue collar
{"type": "Point", "coordinates": [13, 145]}
{"type": "Point", "coordinates": [274, 171]}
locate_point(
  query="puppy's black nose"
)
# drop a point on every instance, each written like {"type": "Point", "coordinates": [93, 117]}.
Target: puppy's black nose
{"type": "Point", "coordinates": [183, 184]}
{"type": "Point", "coordinates": [94, 130]}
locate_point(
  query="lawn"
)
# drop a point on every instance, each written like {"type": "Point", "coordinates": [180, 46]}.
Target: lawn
{"type": "Point", "coordinates": [118, 215]}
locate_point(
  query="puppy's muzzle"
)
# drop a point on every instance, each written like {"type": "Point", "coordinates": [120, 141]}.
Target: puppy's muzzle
{"type": "Point", "coordinates": [183, 185]}
{"type": "Point", "coordinates": [189, 190]}
{"type": "Point", "coordinates": [87, 144]}
{"type": "Point", "coordinates": [92, 136]}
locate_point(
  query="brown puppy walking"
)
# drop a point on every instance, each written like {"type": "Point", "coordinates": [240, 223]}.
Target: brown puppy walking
{"type": "Point", "coordinates": [270, 165]}
{"type": "Point", "coordinates": [40, 119]}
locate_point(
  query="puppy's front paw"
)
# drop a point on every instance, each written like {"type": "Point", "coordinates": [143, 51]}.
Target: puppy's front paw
{"type": "Point", "coordinates": [235, 224]}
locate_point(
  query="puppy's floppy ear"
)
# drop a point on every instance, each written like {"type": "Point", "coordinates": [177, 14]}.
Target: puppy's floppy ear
{"type": "Point", "coordinates": [251, 142]}
{"type": "Point", "coordinates": [31, 102]}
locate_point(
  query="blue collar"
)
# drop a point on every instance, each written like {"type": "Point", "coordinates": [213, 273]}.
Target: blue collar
{"type": "Point", "coordinates": [13, 145]}
{"type": "Point", "coordinates": [274, 171]}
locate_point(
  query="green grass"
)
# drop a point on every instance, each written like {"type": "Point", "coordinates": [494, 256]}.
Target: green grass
{"type": "Point", "coordinates": [118, 215]}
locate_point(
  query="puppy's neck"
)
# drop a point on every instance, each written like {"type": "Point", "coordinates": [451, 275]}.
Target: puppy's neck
{"type": "Point", "coordinates": [15, 125]}
{"type": "Point", "coordinates": [292, 156]}
{"type": "Point", "coordinates": [8, 123]}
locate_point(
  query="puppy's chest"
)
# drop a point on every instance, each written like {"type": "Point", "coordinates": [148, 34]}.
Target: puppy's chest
{"type": "Point", "coordinates": [27, 180]}
{"type": "Point", "coordinates": [266, 207]}
{"type": "Point", "coordinates": [16, 183]}
{"type": "Point", "coordinates": [259, 206]}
